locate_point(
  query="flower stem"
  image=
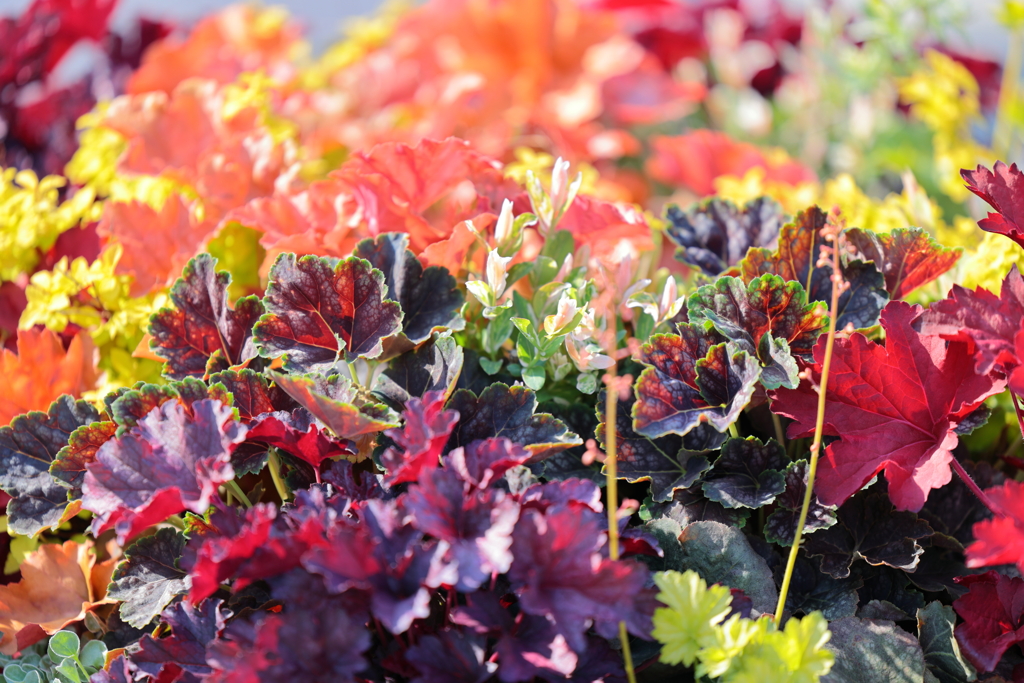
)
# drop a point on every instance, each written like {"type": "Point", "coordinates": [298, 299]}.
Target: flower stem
{"type": "Point", "coordinates": [818, 429]}
{"type": "Point", "coordinates": [275, 473]}
{"type": "Point", "coordinates": [974, 488]}
{"type": "Point", "coordinates": [612, 487]}
{"type": "Point", "coordinates": [780, 434]}
{"type": "Point", "coordinates": [236, 490]}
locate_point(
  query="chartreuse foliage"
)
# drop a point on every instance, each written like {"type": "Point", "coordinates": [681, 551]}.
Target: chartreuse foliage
{"type": "Point", "coordinates": [698, 627]}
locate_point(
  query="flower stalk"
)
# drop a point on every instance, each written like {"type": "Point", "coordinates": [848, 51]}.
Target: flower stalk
{"type": "Point", "coordinates": [831, 233]}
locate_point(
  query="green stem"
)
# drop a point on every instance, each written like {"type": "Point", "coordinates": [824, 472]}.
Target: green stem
{"type": "Point", "coordinates": [734, 431]}
{"type": "Point", "coordinates": [275, 473]}
{"type": "Point", "coordinates": [1003, 131]}
{"type": "Point", "coordinates": [176, 521]}
{"type": "Point", "coordinates": [780, 434]}
{"type": "Point", "coordinates": [236, 490]}
{"type": "Point", "coordinates": [612, 487]}
{"type": "Point", "coordinates": [816, 444]}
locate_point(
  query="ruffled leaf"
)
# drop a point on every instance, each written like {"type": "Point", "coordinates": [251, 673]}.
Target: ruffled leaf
{"type": "Point", "coordinates": [435, 366]}
{"type": "Point", "coordinates": [870, 529]}
{"type": "Point", "coordinates": [746, 474]}
{"type": "Point", "coordinates": [171, 461]}
{"type": "Point", "coordinates": [504, 411]}
{"type": "Point", "coordinates": [780, 527]}
{"type": "Point", "coordinates": [321, 310]}
{"type": "Point", "coordinates": [795, 260]}
{"type": "Point", "coordinates": [421, 440]}
{"type": "Point", "coordinates": [148, 578]}
{"type": "Point", "coordinates": [692, 380]}
{"type": "Point", "coordinates": [430, 298]}
{"type": "Point", "coordinates": [665, 461]}
{"type": "Point", "coordinates": [202, 323]}
{"type": "Point", "coordinates": [1000, 540]}
{"type": "Point", "coordinates": [338, 403]}
{"type": "Point", "coordinates": [27, 449]}
{"type": "Point", "coordinates": [192, 630]}
{"type": "Point", "coordinates": [42, 371]}
{"type": "Point", "coordinates": [1001, 188]}
{"type": "Point", "coordinates": [297, 434]}
{"type": "Point", "coordinates": [993, 617]}
{"type": "Point", "coordinates": [716, 234]}
{"type": "Point", "coordinates": [908, 257]}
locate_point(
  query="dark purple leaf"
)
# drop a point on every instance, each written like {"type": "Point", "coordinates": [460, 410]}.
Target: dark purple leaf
{"type": "Point", "coordinates": [780, 527]}
{"type": "Point", "coordinates": [430, 297]}
{"type": "Point", "coordinates": [503, 411]}
{"type": "Point", "coordinates": [451, 657]}
{"type": "Point", "coordinates": [149, 578]}
{"type": "Point", "coordinates": [870, 528]}
{"type": "Point", "coordinates": [192, 630]}
{"type": "Point", "coordinates": [28, 447]}
{"type": "Point", "coordinates": [342, 476]}
{"type": "Point", "coordinates": [421, 439]}
{"type": "Point", "coordinates": [201, 322]}
{"type": "Point", "coordinates": [716, 234]}
{"type": "Point", "coordinates": [482, 463]}
{"type": "Point", "coordinates": [436, 366]}
{"type": "Point", "coordinates": [321, 311]}
{"type": "Point", "coordinates": [70, 463]}
{"type": "Point", "coordinates": [746, 474]}
{"type": "Point", "coordinates": [171, 461]}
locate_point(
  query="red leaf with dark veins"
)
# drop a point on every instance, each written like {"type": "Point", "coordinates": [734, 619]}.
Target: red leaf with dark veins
{"type": "Point", "coordinates": [993, 614]}
{"type": "Point", "coordinates": [988, 323]}
{"type": "Point", "coordinates": [894, 407]}
{"type": "Point", "coordinates": [171, 461]}
{"type": "Point", "coordinates": [251, 393]}
{"type": "Point", "coordinates": [338, 403]}
{"type": "Point", "coordinates": [201, 322]}
{"type": "Point", "coordinates": [1003, 189]}
{"type": "Point", "coordinates": [70, 463]}
{"type": "Point", "coordinates": [321, 310]}
{"type": "Point", "coordinates": [908, 257]}
{"type": "Point", "coordinates": [420, 441]}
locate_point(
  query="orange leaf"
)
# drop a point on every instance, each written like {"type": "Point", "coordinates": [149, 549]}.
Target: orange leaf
{"type": "Point", "coordinates": [41, 371]}
{"type": "Point", "coordinates": [59, 584]}
{"type": "Point", "coordinates": [157, 244]}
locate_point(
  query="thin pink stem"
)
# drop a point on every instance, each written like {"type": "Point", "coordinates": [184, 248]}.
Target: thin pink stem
{"type": "Point", "coordinates": [975, 489]}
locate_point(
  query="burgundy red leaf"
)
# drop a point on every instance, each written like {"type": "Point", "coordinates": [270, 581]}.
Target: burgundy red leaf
{"type": "Point", "coordinates": [1002, 188]}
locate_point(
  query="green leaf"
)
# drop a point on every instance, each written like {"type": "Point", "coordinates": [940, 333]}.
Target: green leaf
{"type": "Point", "coordinates": [689, 621]}
{"type": "Point", "coordinates": [534, 377]}
{"type": "Point", "coordinates": [93, 655]}
{"type": "Point", "coordinates": [586, 383]}
{"type": "Point", "coordinates": [69, 670]}
{"type": "Point", "coordinates": [873, 651]}
{"type": "Point", "coordinates": [941, 651]}
{"type": "Point", "coordinates": [14, 673]}
{"type": "Point", "coordinates": [722, 554]}
{"type": "Point", "coordinates": [489, 366]}
{"type": "Point", "coordinates": [63, 644]}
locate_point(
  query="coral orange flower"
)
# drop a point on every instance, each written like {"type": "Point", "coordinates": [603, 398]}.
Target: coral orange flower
{"type": "Point", "coordinates": [695, 159]}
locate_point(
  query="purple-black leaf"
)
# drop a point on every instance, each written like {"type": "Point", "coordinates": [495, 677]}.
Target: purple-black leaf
{"type": "Point", "coordinates": [430, 297]}
{"type": "Point", "coordinates": [192, 631]}
{"type": "Point", "coordinates": [202, 323]}
{"type": "Point", "coordinates": [780, 527]}
{"type": "Point", "coordinates": [28, 446]}
{"type": "Point", "coordinates": [321, 311]}
{"type": "Point", "coordinates": [746, 474]}
{"type": "Point", "coordinates": [869, 527]}
{"type": "Point", "coordinates": [451, 657]}
{"type": "Point", "coordinates": [716, 234]}
{"type": "Point", "coordinates": [508, 412]}
{"type": "Point", "coordinates": [435, 366]}
{"type": "Point", "coordinates": [665, 462]}
{"type": "Point", "coordinates": [148, 578]}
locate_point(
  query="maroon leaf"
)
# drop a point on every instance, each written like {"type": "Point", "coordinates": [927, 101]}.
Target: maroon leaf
{"type": "Point", "coordinates": [993, 614]}
{"type": "Point", "coordinates": [559, 573]}
{"type": "Point", "coordinates": [296, 433]}
{"type": "Point", "coordinates": [171, 461]}
{"type": "Point", "coordinates": [482, 463]}
{"type": "Point", "coordinates": [251, 393]}
{"type": "Point", "coordinates": [508, 412]}
{"type": "Point", "coordinates": [692, 379]}
{"type": "Point", "coordinates": [192, 630]}
{"type": "Point", "coordinates": [1003, 189]}
{"type": "Point", "coordinates": [201, 322]}
{"type": "Point", "coordinates": [989, 324]}
{"type": "Point", "coordinates": [321, 311]}
{"type": "Point", "coordinates": [895, 408]}
{"type": "Point", "coordinates": [476, 524]}
{"type": "Point", "coordinates": [1000, 540]}
{"type": "Point", "coordinates": [908, 257]}
{"type": "Point", "coordinates": [70, 463]}
{"type": "Point", "coordinates": [128, 406]}
{"type": "Point", "coordinates": [343, 407]}
{"type": "Point", "coordinates": [451, 657]}
{"type": "Point", "coordinates": [421, 439]}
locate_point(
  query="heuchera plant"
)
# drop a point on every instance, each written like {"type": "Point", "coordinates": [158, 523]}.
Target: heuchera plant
{"type": "Point", "coordinates": [340, 369]}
